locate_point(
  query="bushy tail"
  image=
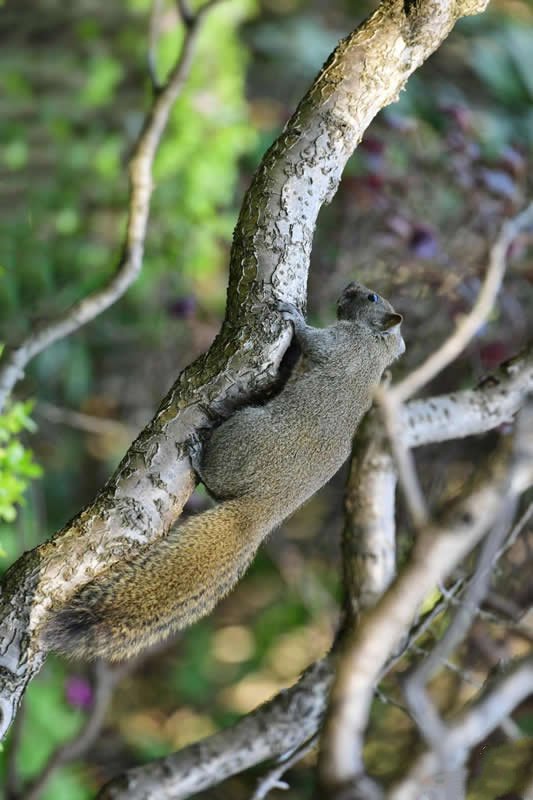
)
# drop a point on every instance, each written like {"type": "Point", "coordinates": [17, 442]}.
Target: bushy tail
{"type": "Point", "coordinates": [167, 586]}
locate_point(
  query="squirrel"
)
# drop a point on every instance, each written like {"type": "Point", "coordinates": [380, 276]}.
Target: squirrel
{"type": "Point", "coordinates": [260, 465]}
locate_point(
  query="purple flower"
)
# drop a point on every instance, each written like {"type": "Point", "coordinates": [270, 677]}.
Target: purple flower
{"type": "Point", "coordinates": [422, 242]}
{"type": "Point", "coordinates": [182, 307]}
{"type": "Point", "coordinates": [79, 692]}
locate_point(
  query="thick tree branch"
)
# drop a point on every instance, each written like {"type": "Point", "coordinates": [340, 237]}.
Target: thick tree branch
{"type": "Point", "coordinates": [269, 260]}
{"type": "Point", "coordinates": [369, 535]}
{"type": "Point", "coordinates": [267, 732]}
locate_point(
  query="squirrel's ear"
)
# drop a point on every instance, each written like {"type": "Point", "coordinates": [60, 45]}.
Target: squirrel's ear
{"type": "Point", "coordinates": [389, 321]}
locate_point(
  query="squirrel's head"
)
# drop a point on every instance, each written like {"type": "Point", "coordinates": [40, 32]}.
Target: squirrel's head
{"type": "Point", "coordinates": [369, 310]}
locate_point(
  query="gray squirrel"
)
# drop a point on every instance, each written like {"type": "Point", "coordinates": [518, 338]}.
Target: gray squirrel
{"type": "Point", "coordinates": [261, 464]}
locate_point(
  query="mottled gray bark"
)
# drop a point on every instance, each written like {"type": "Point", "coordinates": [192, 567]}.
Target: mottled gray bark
{"type": "Point", "coordinates": [268, 731]}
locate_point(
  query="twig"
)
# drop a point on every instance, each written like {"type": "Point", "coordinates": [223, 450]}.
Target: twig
{"type": "Point", "coordinates": [470, 324]}
{"type": "Point", "coordinates": [184, 11]}
{"type": "Point", "coordinates": [155, 17]}
{"type": "Point", "coordinates": [424, 712]}
{"type": "Point", "coordinates": [16, 358]}
{"type": "Point", "coordinates": [391, 411]}
{"type": "Point", "coordinates": [83, 422]}
{"type": "Point", "coordinates": [272, 779]}
{"type": "Point", "coordinates": [495, 703]}
{"type": "Point", "coordinates": [514, 534]}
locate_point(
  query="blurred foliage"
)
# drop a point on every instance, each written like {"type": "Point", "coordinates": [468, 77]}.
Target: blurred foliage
{"type": "Point", "coordinates": [17, 466]}
{"type": "Point", "coordinates": [420, 200]}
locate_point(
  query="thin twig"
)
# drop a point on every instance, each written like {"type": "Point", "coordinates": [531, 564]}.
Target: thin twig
{"type": "Point", "coordinates": [15, 359]}
{"type": "Point", "coordinates": [153, 35]}
{"type": "Point", "coordinates": [392, 411]}
{"type": "Point", "coordinates": [184, 11]}
{"type": "Point", "coordinates": [272, 779]}
{"type": "Point", "coordinates": [471, 323]}
{"type": "Point", "coordinates": [83, 422]}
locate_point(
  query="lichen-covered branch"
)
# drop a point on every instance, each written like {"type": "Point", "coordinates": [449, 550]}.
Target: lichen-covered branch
{"type": "Point", "coordinates": [473, 411]}
{"type": "Point", "coordinates": [269, 260]}
{"type": "Point", "coordinates": [284, 723]}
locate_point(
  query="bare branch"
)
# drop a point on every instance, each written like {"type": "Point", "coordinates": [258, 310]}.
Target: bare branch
{"type": "Point", "coordinates": [496, 702]}
{"type": "Point", "coordinates": [153, 34]}
{"type": "Point", "coordinates": [368, 539]}
{"type": "Point", "coordinates": [391, 411]}
{"type": "Point", "coordinates": [16, 358]}
{"type": "Point", "coordinates": [469, 326]}
{"type": "Point", "coordinates": [433, 728]}
{"type": "Point", "coordinates": [272, 779]}
{"type": "Point", "coordinates": [283, 724]}
{"type": "Point", "coordinates": [83, 422]}
{"type": "Point", "coordinates": [473, 411]}
{"type": "Point", "coordinates": [437, 552]}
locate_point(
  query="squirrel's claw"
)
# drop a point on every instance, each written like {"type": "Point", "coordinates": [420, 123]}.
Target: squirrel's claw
{"type": "Point", "coordinates": [289, 311]}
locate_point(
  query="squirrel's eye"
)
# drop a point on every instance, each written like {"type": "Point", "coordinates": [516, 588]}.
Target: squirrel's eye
{"type": "Point", "coordinates": [373, 298]}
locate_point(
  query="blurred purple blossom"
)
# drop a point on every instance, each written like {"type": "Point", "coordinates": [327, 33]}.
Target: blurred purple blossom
{"type": "Point", "coordinates": [513, 161]}
{"type": "Point", "coordinates": [182, 307]}
{"type": "Point", "coordinates": [459, 115]}
{"type": "Point", "coordinates": [422, 241]}
{"type": "Point", "coordinates": [374, 150]}
{"type": "Point", "coordinates": [79, 692]}
{"type": "Point", "coordinates": [499, 182]}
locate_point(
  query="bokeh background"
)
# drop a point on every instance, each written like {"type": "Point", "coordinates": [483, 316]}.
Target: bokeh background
{"type": "Point", "coordinates": [420, 202]}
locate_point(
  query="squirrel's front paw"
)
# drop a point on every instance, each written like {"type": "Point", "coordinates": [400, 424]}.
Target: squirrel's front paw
{"type": "Point", "coordinates": [289, 311]}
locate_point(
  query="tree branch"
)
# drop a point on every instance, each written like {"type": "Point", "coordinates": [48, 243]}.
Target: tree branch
{"type": "Point", "coordinates": [498, 700]}
{"type": "Point", "coordinates": [437, 552]}
{"type": "Point", "coordinates": [285, 723]}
